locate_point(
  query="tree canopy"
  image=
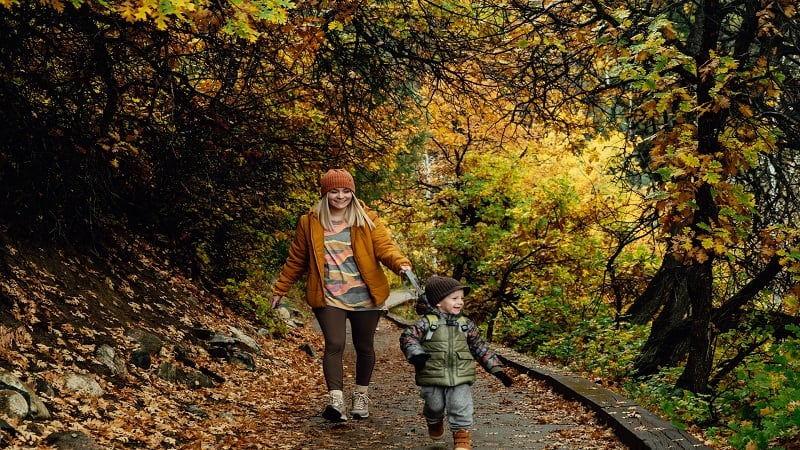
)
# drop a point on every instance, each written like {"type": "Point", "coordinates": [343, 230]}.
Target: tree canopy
{"type": "Point", "coordinates": [632, 159]}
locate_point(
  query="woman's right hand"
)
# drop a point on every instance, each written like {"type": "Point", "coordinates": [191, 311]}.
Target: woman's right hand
{"type": "Point", "coordinates": [275, 301]}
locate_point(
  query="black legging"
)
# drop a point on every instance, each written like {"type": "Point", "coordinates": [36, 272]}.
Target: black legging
{"type": "Point", "coordinates": [333, 322]}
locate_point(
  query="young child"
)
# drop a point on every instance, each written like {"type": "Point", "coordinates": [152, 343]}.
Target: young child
{"type": "Point", "coordinates": [443, 346]}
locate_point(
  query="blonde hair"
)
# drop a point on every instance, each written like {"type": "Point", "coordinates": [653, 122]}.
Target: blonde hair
{"type": "Point", "coordinates": [354, 215]}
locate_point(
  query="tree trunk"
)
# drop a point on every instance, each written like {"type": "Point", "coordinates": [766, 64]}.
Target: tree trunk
{"type": "Point", "coordinates": [701, 354]}
{"type": "Point", "coordinates": [658, 294]}
{"type": "Point", "coordinates": [667, 343]}
{"type": "Point", "coordinates": [699, 279]}
{"type": "Point", "coordinates": [671, 331]}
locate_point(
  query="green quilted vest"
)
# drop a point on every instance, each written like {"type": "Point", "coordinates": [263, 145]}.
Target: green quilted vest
{"type": "Point", "coordinates": [451, 363]}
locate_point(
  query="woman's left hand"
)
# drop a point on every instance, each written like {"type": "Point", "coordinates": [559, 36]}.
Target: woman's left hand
{"type": "Point", "coordinates": [404, 269]}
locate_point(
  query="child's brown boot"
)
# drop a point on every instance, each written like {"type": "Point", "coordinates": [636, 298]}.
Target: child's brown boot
{"type": "Point", "coordinates": [436, 430]}
{"type": "Point", "coordinates": [461, 438]}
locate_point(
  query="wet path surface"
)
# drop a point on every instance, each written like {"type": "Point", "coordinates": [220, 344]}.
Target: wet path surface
{"type": "Point", "coordinates": [528, 415]}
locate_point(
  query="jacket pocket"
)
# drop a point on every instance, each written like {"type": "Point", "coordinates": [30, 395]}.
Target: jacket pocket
{"type": "Point", "coordinates": [465, 364]}
{"type": "Point", "coordinates": [377, 283]}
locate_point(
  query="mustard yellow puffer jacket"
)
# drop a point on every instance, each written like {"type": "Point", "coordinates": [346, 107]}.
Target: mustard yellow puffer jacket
{"type": "Point", "coordinates": [370, 249]}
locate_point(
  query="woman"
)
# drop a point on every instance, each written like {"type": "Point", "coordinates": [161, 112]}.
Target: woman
{"type": "Point", "coordinates": [341, 245]}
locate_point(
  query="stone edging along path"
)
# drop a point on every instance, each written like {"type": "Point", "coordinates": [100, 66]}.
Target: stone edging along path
{"type": "Point", "coordinates": [636, 427]}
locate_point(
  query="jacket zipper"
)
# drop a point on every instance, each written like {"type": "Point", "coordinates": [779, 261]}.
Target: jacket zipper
{"type": "Point", "coordinates": [453, 357]}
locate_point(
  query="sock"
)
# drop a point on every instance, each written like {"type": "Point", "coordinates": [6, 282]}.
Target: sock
{"type": "Point", "coordinates": [361, 389]}
{"type": "Point", "coordinates": [337, 394]}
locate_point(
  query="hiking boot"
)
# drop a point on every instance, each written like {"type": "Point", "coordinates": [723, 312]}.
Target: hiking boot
{"type": "Point", "coordinates": [461, 440]}
{"type": "Point", "coordinates": [436, 430]}
{"type": "Point", "coordinates": [360, 408]}
{"type": "Point", "coordinates": [335, 409]}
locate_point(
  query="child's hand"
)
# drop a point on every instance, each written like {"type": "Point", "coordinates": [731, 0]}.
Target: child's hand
{"type": "Point", "coordinates": [507, 381]}
{"type": "Point", "coordinates": [419, 361]}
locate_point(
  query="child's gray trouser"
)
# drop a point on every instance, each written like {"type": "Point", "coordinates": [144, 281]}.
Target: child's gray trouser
{"type": "Point", "coordinates": [456, 401]}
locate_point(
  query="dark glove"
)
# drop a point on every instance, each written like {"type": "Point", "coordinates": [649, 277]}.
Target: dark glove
{"type": "Point", "coordinates": [507, 381]}
{"type": "Point", "coordinates": [419, 361]}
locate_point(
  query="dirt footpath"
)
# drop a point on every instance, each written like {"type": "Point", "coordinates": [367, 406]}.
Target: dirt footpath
{"type": "Point", "coordinates": [527, 415]}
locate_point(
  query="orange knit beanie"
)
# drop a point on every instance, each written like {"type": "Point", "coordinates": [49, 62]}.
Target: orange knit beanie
{"type": "Point", "coordinates": [336, 178]}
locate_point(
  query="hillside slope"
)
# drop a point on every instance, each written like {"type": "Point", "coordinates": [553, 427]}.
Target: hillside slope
{"type": "Point", "coordinates": [61, 304]}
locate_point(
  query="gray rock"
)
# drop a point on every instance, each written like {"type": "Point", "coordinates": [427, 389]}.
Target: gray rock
{"type": "Point", "coordinates": [72, 440]}
{"type": "Point", "coordinates": [36, 408]}
{"type": "Point", "coordinates": [106, 354]}
{"type": "Point", "coordinates": [13, 404]}
{"type": "Point", "coordinates": [244, 339]}
{"type": "Point", "coordinates": [168, 371]}
{"type": "Point", "coordinates": [147, 341]}
{"type": "Point", "coordinates": [83, 384]}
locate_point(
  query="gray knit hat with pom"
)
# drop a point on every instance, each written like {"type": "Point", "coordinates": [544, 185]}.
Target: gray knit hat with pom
{"type": "Point", "coordinates": [437, 288]}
